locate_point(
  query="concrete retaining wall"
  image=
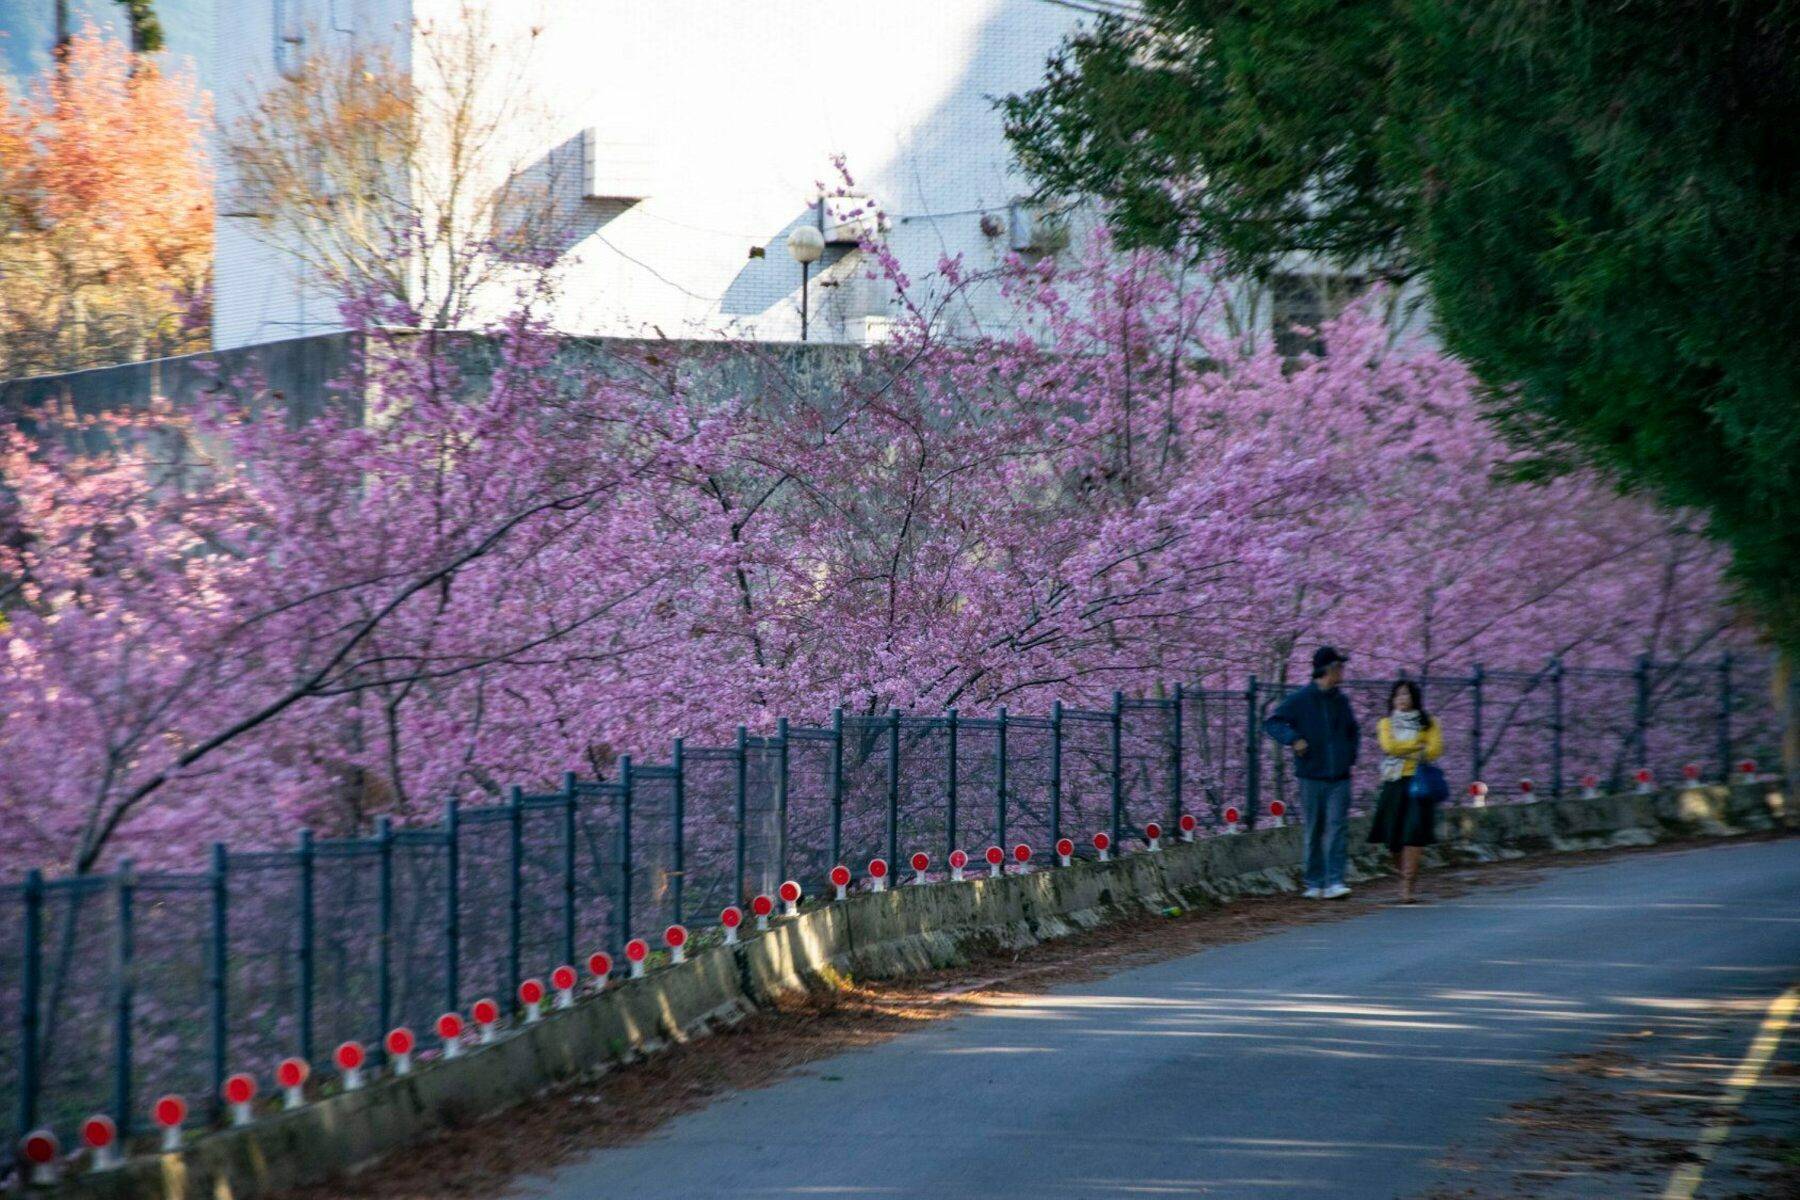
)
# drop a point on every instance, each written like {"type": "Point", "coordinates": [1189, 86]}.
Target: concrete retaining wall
{"type": "Point", "coordinates": [870, 937]}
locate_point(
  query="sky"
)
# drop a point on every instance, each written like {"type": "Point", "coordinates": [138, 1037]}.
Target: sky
{"type": "Point", "coordinates": [27, 28]}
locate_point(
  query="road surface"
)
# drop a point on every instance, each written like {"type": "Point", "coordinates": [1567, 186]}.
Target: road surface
{"type": "Point", "coordinates": [1355, 1060]}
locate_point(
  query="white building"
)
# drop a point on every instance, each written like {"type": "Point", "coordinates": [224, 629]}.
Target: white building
{"type": "Point", "coordinates": [690, 138]}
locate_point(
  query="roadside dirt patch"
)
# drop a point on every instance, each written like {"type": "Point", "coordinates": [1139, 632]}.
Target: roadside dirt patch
{"type": "Point", "coordinates": [631, 1100]}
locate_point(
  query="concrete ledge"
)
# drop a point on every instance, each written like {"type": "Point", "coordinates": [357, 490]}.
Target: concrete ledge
{"type": "Point", "coordinates": [888, 935]}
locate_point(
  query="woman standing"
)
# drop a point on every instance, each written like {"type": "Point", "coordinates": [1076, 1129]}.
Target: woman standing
{"type": "Point", "coordinates": [1404, 822]}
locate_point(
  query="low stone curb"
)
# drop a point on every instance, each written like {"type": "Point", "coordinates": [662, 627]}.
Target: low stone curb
{"type": "Point", "coordinates": [871, 936]}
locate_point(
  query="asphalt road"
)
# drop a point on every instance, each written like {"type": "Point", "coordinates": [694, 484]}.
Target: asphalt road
{"type": "Point", "coordinates": [1346, 1060]}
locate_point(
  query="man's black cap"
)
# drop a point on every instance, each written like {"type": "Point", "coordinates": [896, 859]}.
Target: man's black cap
{"type": "Point", "coordinates": [1323, 657]}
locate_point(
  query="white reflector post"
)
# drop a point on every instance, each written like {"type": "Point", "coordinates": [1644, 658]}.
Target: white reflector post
{"type": "Point", "coordinates": [636, 951]}
{"type": "Point", "coordinates": [564, 979]}
{"type": "Point", "coordinates": [1234, 819]}
{"type": "Point", "coordinates": [958, 860]}
{"type": "Point", "coordinates": [1590, 787]}
{"type": "Point", "coordinates": [399, 1046]}
{"type": "Point", "coordinates": [790, 898]}
{"type": "Point", "coordinates": [729, 920]}
{"type": "Point", "coordinates": [349, 1058]}
{"type": "Point", "coordinates": [1065, 850]}
{"type": "Point", "coordinates": [1103, 844]}
{"type": "Point", "coordinates": [762, 906]}
{"type": "Point", "coordinates": [1478, 794]}
{"type": "Point", "coordinates": [600, 967]}
{"type": "Point", "coordinates": [1153, 835]}
{"type": "Point", "coordinates": [840, 879]}
{"type": "Point", "coordinates": [1188, 825]}
{"type": "Point", "coordinates": [1646, 781]}
{"type": "Point", "coordinates": [878, 870]}
{"type": "Point", "coordinates": [102, 1138]}
{"type": "Point", "coordinates": [921, 862]}
{"type": "Point", "coordinates": [996, 858]}
{"type": "Point", "coordinates": [531, 995]}
{"type": "Point", "coordinates": [487, 1018]}
{"type": "Point", "coordinates": [675, 938]}
{"type": "Point", "coordinates": [239, 1093]}
{"type": "Point", "coordinates": [169, 1113]}
{"type": "Point", "coordinates": [450, 1032]}
{"type": "Point", "coordinates": [290, 1076]}
{"type": "Point", "coordinates": [40, 1152]}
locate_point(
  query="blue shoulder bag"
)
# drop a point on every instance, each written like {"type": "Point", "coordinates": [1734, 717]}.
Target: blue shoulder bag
{"type": "Point", "coordinates": [1428, 784]}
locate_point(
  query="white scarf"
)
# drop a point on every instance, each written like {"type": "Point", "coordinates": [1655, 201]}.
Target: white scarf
{"type": "Point", "coordinates": [1402, 727]}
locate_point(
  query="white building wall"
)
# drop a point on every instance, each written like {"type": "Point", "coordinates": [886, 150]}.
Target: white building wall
{"type": "Point", "coordinates": [259, 293]}
{"type": "Point", "coordinates": [739, 109]}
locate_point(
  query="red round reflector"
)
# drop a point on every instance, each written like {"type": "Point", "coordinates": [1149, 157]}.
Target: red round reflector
{"type": "Point", "coordinates": [995, 855]}
{"type": "Point", "coordinates": [39, 1147]}
{"type": "Point", "coordinates": [239, 1089]}
{"type": "Point", "coordinates": [1525, 786]}
{"type": "Point", "coordinates": [790, 892]}
{"type": "Point", "coordinates": [1153, 830]}
{"type": "Point", "coordinates": [1021, 853]}
{"type": "Point", "coordinates": [732, 917]}
{"type": "Point", "coordinates": [531, 992]}
{"type": "Point", "coordinates": [1692, 770]}
{"type": "Point", "coordinates": [878, 867]}
{"type": "Point", "coordinates": [600, 964]}
{"type": "Point", "coordinates": [1102, 842]}
{"type": "Point", "coordinates": [486, 1012]}
{"type": "Point", "coordinates": [170, 1111]}
{"type": "Point", "coordinates": [1188, 823]}
{"type": "Point", "coordinates": [958, 859]}
{"type": "Point", "coordinates": [1277, 808]}
{"type": "Point", "coordinates": [762, 906]}
{"type": "Point", "coordinates": [675, 935]}
{"type": "Point", "coordinates": [449, 1027]}
{"type": "Point", "coordinates": [99, 1132]}
{"type": "Point", "coordinates": [399, 1041]}
{"type": "Point", "coordinates": [1232, 814]}
{"type": "Point", "coordinates": [921, 861]}
{"type": "Point", "coordinates": [1065, 847]}
{"type": "Point", "coordinates": [840, 876]}
{"type": "Point", "coordinates": [348, 1056]}
{"type": "Point", "coordinates": [291, 1072]}
{"type": "Point", "coordinates": [1643, 775]}
{"type": "Point", "coordinates": [637, 950]}
{"type": "Point", "coordinates": [564, 978]}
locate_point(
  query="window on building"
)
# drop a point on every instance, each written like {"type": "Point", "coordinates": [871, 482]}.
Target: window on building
{"type": "Point", "coordinates": [1299, 303]}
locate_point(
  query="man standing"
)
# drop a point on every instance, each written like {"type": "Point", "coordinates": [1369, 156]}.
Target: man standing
{"type": "Point", "coordinates": [1317, 723]}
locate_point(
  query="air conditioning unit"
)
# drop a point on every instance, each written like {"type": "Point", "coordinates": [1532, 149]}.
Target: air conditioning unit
{"type": "Point", "coordinates": [1033, 230]}
{"type": "Point", "coordinates": [849, 220]}
{"type": "Point", "coordinates": [616, 169]}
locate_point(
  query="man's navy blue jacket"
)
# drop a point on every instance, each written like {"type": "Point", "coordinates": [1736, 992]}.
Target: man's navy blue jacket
{"type": "Point", "coordinates": [1324, 719]}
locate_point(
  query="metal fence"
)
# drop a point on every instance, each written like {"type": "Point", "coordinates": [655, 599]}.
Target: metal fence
{"type": "Point", "coordinates": [122, 987]}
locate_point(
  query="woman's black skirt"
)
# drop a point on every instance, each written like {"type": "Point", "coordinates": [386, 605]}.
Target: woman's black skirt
{"type": "Point", "coordinates": [1401, 820]}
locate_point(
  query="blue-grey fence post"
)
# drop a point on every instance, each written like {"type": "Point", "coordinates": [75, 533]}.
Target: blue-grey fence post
{"type": "Point", "coordinates": [515, 890]}
{"type": "Point", "coordinates": [837, 786]}
{"type": "Point", "coordinates": [677, 760]}
{"type": "Point", "coordinates": [1056, 724]}
{"type": "Point", "coordinates": [452, 905]}
{"type": "Point", "coordinates": [216, 977]}
{"type": "Point", "coordinates": [30, 1070]}
{"type": "Point", "coordinates": [1640, 735]}
{"type": "Point", "coordinates": [384, 945]}
{"type": "Point", "coordinates": [1477, 679]}
{"type": "Point", "coordinates": [1725, 719]}
{"type": "Point", "coordinates": [625, 865]}
{"type": "Point", "coordinates": [1252, 750]}
{"type": "Point", "coordinates": [124, 996]}
{"type": "Point", "coordinates": [951, 730]}
{"type": "Point", "coordinates": [893, 788]}
{"type": "Point", "coordinates": [999, 781]}
{"type": "Point", "coordinates": [739, 893]}
{"type": "Point", "coordinates": [304, 860]}
{"type": "Point", "coordinates": [1556, 727]}
{"type": "Point", "coordinates": [568, 862]}
{"type": "Point", "coordinates": [1118, 767]}
{"type": "Point", "coordinates": [1176, 716]}
{"type": "Point", "coordinates": [781, 798]}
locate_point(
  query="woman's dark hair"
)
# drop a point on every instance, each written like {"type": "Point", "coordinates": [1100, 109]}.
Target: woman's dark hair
{"type": "Point", "coordinates": [1412, 689]}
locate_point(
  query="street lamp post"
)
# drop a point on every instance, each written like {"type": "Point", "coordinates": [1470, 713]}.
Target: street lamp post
{"type": "Point", "coordinates": [807, 245]}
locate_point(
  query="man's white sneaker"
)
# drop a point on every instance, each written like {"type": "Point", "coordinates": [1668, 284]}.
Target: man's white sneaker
{"type": "Point", "coordinates": [1336, 891]}
{"type": "Point", "coordinates": [1313, 893]}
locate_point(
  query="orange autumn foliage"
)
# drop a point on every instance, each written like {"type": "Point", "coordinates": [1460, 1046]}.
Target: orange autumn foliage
{"type": "Point", "coordinates": [106, 213]}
